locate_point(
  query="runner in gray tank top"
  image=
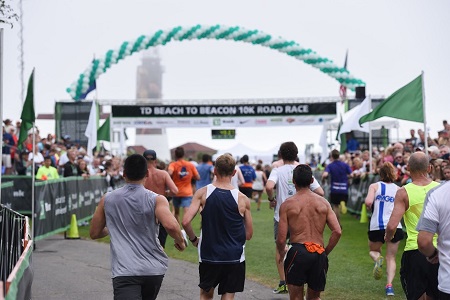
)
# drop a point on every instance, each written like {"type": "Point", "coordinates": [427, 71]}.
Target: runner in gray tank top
{"type": "Point", "coordinates": [131, 216]}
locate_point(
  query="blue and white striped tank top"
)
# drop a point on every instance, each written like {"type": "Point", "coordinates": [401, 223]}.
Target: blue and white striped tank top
{"type": "Point", "coordinates": [383, 205]}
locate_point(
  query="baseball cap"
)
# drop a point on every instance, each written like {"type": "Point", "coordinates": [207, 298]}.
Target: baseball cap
{"type": "Point", "coordinates": [149, 154]}
{"type": "Point", "coordinates": [66, 137]}
{"type": "Point", "coordinates": [433, 149]}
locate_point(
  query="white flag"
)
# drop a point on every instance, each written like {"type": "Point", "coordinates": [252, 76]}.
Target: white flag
{"type": "Point", "coordinates": [91, 129]}
{"type": "Point", "coordinates": [352, 122]}
{"type": "Point", "coordinates": [324, 143]}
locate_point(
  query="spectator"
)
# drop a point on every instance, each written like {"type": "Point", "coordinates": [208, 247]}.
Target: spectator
{"type": "Point", "coordinates": [398, 147]}
{"type": "Point", "coordinates": [446, 173]}
{"type": "Point", "coordinates": [8, 142]}
{"type": "Point", "coordinates": [46, 171]}
{"type": "Point", "coordinates": [413, 138]}
{"type": "Point", "coordinates": [83, 169]}
{"type": "Point", "coordinates": [36, 157]}
{"type": "Point", "coordinates": [444, 151]}
{"type": "Point", "coordinates": [22, 164]}
{"type": "Point", "coordinates": [70, 167]}
{"type": "Point", "coordinates": [352, 143]}
{"type": "Point", "coordinates": [434, 152]}
{"type": "Point", "coordinates": [436, 171]}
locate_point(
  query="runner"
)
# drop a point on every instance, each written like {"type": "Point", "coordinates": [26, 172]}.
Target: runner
{"type": "Point", "coordinates": [380, 199]}
{"type": "Point", "coordinates": [159, 181]}
{"type": "Point", "coordinates": [129, 215]}
{"type": "Point", "coordinates": [418, 276]}
{"type": "Point", "coordinates": [282, 178]}
{"type": "Point", "coordinates": [435, 218]}
{"type": "Point", "coordinates": [226, 225]}
{"type": "Point", "coordinates": [304, 216]}
{"type": "Point", "coordinates": [339, 172]}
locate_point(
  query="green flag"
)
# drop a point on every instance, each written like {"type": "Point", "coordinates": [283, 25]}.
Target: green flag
{"type": "Point", "coordinates": [103, 131]}
{"type": "Point", "coordinates": [404, 104]}
{"type": "Point", "coordinates": [27, 116]}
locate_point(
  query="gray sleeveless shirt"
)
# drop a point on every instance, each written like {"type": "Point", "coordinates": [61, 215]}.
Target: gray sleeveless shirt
{"type": "Point", "coordinates": [131, 221]}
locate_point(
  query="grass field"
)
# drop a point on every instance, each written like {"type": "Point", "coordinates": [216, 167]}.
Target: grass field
{"type": "Point", "coordinates": [350, 267]}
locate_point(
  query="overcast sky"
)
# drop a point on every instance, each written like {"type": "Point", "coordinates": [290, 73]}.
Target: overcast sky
{"type": "Point", "coordinates": [389, 43]}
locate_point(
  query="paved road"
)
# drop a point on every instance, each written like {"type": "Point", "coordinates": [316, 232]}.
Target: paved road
{"type": "Point", "coordinates": [80, 269]}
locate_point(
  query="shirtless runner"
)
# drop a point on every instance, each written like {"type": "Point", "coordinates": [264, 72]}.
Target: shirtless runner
{"type": "Point", "coordinates": [305, 215]}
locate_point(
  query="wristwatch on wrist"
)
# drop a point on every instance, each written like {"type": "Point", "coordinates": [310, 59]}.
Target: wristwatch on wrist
{"type": "Point", "coordinates": [434, 254]}
{"type": "Point", "coordinates": [271, 200]}
{"type": "Point", "coordinates": [194, 239]}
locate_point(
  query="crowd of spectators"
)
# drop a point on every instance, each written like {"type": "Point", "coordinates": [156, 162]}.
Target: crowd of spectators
{"type": "Point", "coordinates": [362, 163]}
{"type": "Point", "coordinates": [54, 158]}
{"type": "Point", "coordinates": [70, 159]}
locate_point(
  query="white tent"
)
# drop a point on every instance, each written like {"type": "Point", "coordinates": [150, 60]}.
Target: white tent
{"type": "Point", "coordinates": [333, 125]}
{"type": "Point", "coordinates": [387, 122]}
{"type": "Point", "coordinates": [240, 150]}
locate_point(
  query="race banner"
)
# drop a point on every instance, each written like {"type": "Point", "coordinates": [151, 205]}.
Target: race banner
{"type": "Point", "coordinates": [242, 115]}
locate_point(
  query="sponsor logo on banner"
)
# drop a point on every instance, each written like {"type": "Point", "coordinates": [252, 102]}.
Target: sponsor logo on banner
{"type": "Point", "coordinates": [244, 121]}
{"type": "Point", "coordinates": [143, 122]}
{"type": "Point", "coordinates": [216, 122]}
{"type": "Point", "coordinates": [290, 120]}
{"type": "Point", "coordinates": [201, 122]}
{"type": "Point", "coordinates": [308, 120]}
{"type": "Point", "coordinates": [164, 122]}
{"type": "Point", "coordinates": [276, 120]}
{"type": "Point", "coordinates": [261, 121]}
{"type": "Point", "coordinates": [228, 121]}
{"type": "Point", "coordinates": [184, 122]}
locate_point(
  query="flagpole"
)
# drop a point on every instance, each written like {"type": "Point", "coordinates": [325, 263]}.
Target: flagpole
{"type": "Point", "coordinates": [33, 172]}
{"type": "Point", "coordinates": [370, 139]}
{"type": "Point", "coordinates": [1, 99]}
{"type": "Point", "coordinates": [33, 180]}
{"type": "Point", "coordinates": [424, 114]}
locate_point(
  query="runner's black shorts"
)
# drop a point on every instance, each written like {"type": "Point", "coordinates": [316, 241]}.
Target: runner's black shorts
{"type": "Point", "coordinates": [378, 235]}
{"type": "Point", "coordinates": [418, 276]}
{"type": "Point", "coordinates": [229, 277]}
{"type": "Point", "coordinates": [302, 266]}
{"type": "Point", "coordinates": [247, 191]}
{"type": "Point", "coordinates": [336, 198]}
{"type": "Point", "coordinates": [137, 287]}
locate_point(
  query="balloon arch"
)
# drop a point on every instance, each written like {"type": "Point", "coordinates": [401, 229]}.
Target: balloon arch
{"type": "Point", "coordinates": [219, 32]}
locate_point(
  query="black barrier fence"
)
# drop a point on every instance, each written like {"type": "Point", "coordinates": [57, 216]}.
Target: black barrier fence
{"type": "Point", "coordinates": [357, 190]}
{"type": "Point", "coordinates": [55, 200]}
{"type": "Point", "coordinates": [13, 229]}
{"type": "Point", "coordinates": [58, 200]}
{"type": "Point", "coordinates": [19, 199]}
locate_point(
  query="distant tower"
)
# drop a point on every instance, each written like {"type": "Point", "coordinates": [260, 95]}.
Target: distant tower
{"type": "Point", "coordinates": [149, 76]}
{"type": "Point", "coordinates": [149, 86]}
